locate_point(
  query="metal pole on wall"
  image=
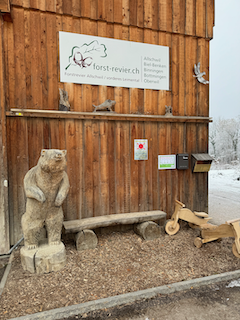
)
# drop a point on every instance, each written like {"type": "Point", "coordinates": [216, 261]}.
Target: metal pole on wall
{"type": "Point", "coordinates": [4, 214]}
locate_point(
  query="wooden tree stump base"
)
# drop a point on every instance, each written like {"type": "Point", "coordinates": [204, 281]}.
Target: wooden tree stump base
{"type": "Point", "coordinates": [86, 239]}
{"type": "Point", "coordinates": [149, 230]}
{"type": "Point", "coordinates": [43, 259]}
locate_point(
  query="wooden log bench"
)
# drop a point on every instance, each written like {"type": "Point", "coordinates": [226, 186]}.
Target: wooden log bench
{"type": "Point", "coordinates": [143, 222]}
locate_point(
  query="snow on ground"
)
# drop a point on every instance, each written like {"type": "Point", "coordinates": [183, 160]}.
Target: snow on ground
{"type": "Point", "coordinates": [234, 283]}
{"type": "Point", "coordinates": [224, 193]}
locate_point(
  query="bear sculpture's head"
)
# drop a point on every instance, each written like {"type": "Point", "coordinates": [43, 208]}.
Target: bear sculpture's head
{"type": "Point", "coordinates": [52, 160]}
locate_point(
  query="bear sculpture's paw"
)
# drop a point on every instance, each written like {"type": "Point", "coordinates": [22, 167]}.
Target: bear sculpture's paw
{"type": "Point", "coordinates": [39, 195]}
{"type": "Point", "coordinates": [35, 193]}
{"type": "Point", "coordinates": [32, 246]}
{"type": "Point", "coordinates": [58, 202]}
{"type": "Point", "coordinates": [42, 198]}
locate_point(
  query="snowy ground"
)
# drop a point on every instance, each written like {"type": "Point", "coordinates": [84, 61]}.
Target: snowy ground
{"type": "Point", "coordinates": [224, 193]}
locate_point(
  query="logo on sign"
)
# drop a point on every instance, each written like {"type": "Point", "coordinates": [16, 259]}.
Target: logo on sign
{"type": "Point", "coordinates": [84, 56]}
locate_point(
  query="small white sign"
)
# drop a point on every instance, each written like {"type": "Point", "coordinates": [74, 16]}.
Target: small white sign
{"type": "Point", "coordinates": [110, 62]}
{"type": "Point", "coordinates": [140, 149]}
{"type": "Point", "coordinates": [167, 162]}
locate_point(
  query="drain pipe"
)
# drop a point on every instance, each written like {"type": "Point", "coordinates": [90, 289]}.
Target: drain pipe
{"type": "Point", "coordinates": [14, 247]}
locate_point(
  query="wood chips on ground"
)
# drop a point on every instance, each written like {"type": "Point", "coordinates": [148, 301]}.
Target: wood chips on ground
{"type": "Point", "coordinates": [121, 263]}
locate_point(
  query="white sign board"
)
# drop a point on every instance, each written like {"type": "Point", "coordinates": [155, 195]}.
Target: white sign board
{"type": "Point", "coordinates": [140, 149]}
{"type": "Point", "coordinates": [110, 62]}
{"type": "Point", "coordinates": [167, 162]}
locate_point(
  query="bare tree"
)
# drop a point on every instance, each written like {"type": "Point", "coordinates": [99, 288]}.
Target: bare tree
{"type": "Point", "coordinates": [224, 138]}
{"type": "Point", "coordinates": [213, 139]}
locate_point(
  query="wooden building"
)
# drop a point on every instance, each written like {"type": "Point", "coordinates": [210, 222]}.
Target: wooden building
{"type": "Point", "coordinates": [104, 177]}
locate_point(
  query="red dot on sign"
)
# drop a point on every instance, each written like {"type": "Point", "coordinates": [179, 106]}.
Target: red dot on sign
{"type": "Point", "coordinates": [141, 146]}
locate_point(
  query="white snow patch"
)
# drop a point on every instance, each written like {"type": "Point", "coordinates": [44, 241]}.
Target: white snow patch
{"type": "Point", "coordinates": [224, 180]}
{"type": "Point", "coordinates": [234, 283]}
{"type": "Point", "coordinates": [224, 194]}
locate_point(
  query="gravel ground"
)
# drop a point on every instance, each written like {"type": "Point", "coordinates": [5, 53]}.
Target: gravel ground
{"type": "Point", "coordinates": [121, 263]}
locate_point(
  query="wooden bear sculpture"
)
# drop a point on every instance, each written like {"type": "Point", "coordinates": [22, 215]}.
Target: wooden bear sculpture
{"type": "Point", "coordinates": [46, 186]}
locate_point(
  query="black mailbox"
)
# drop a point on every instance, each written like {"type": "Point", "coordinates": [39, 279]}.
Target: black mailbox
{"type": "Point", "coordinates": [182, 161]}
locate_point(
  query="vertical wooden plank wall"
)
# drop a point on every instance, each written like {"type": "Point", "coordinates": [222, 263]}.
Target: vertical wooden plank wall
{"type": "Point", "coordinates": [103, 175]}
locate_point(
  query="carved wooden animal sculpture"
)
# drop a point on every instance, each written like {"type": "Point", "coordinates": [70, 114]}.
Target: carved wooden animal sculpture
{"type": "Point", "coordinates": [168, 111]}
{"type": "Point", "coordinates": [106, 105]}
{"type": "Point", "coordinates": [64, 104]}
{"type": "Point", "coordinates": [199, 75]}
{"type": "Point", "coordinates": [46, 186]}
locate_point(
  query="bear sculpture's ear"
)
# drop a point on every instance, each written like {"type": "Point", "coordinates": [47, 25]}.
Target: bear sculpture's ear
{"type": "Point", "coordinates": [43, 152]}
{"type": "Point", "coordinates": [64, 152]}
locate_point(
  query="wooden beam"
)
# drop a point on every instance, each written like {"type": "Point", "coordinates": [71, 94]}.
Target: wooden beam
{"type": "Point", "coordinates": [30, 113]}
{"type": "Point", "coordinates": [4, 5]}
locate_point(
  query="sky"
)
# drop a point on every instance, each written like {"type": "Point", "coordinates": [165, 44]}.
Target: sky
{"type": "Point", "coordinates": [225, 61]}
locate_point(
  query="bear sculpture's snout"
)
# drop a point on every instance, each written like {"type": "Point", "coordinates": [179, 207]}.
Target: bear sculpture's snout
{"type": "Point", "coordinates": [58, 157]}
